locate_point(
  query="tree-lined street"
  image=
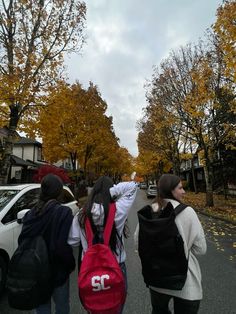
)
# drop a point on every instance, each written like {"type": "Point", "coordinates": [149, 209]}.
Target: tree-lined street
{"type": "Point", "coordinates": [187, 125]}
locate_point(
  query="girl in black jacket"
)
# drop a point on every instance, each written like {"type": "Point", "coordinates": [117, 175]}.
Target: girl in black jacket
{"type": "Point", "coordinates": [53, 221]}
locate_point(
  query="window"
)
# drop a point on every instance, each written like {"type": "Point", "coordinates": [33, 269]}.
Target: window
{"type": "Point", "coordinates": [18, 174]}
{"type": "Point", "coordinates": [199, 176]}
{"type": "Point", "coordinates": [26, 201]}
{"type": "Point", "coordinates": [39, 157]}
{"type": "Point", "coordinates": [6, 196]}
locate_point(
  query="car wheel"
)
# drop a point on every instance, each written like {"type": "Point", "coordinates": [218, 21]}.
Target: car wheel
{"type": "Point", "coordinates": [3, 274]}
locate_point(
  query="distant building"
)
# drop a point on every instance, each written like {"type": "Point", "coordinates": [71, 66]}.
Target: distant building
{"type": "Point", "coordinates": [65, 164]}
{"type": "Point", "coordinates": [26, 158]}
{"type": "Point", "coordinates": [191, 167]}
{"type": "Point", "coordinates": [224, 172]}
{"type": "Point", "coordinates": [27, 148]}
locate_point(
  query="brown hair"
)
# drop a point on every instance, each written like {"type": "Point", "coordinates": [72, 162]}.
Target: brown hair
{"type": "Point", "coordinates": [100, 194]}
{"type": "Point", "coordinates": [166, 184]}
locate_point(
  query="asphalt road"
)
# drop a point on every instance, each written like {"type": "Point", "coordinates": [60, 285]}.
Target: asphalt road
{"type": "Point", "coordinates": [218, 271]}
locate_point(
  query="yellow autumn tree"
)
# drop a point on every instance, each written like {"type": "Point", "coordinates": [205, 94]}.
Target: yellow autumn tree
{"type": "Point", "coordinates": [191, 98]}
{"type": "Point", "coordinates": [197, 95]}
{"type": "Point", "coordinates": [125, 163]}
{"type": "Point", "coordinates": [161, 128]}
{"type": "Point", "coordinates": [108, 157]}
{"type": "Point", "coordinates": [114, 161]}
{"type": "Point", "coordinates": [210, 112]}
{"type": "Point", "coordinates": [155, 155]}
{"type": "Point", "coordinates": [80, 130]}
{"type": "Point", "coordinates": [184, 106]}
{"type": "Point", "coordinates": [34, 35]}
{"type": "Point", "coordinates": [74, 125]}
{"type": "Point", "coordinates": [224, 28]}
{"type": "Point", "coordinates": [150, 165]}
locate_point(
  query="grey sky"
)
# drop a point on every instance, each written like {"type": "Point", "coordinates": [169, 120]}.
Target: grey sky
{"type": "Point", "coordinates": [125, 39]}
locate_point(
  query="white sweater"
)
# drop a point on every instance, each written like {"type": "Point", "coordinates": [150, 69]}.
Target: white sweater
{"type": "Point", "coordinates": [193, 236]}
{"type": "Point", "coordinates": [125, 193]}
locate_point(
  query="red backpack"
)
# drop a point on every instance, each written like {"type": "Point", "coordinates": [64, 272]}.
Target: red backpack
{"type": "Point", "coordinates": [101, 282]}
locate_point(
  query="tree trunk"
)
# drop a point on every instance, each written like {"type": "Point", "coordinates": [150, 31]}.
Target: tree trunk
{"type": "Point", "coordinates": [85, 169]}
{"type": "Point", "coordinates": [225, 185]}
{"type": "Point", "coordinates": [176, 166]}
{"type": "Point", "coordinates": [5, 163]}
{"type": "Point", "coordinates": [73, 158]}
{"type": "Point", "coordinates": [193, 175]}
{"type": "Point", "coordinates": [209, 186]}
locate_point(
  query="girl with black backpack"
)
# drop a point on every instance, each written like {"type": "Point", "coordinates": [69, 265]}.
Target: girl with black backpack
{"type": "Point", "coordinates": [186, 298]}
{"type": "Point", "coordinates": [52, 220]}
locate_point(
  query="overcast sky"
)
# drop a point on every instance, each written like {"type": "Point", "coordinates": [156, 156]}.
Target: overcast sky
{"type": "Point", "coordinates": [125, 39]}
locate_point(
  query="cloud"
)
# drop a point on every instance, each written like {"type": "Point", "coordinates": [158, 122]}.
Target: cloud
{"type": "Point", "coordinates": [125, 39]}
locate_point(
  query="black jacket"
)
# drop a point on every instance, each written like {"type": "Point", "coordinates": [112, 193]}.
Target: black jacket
{"type": "Point", "coordinates": [54, 224]}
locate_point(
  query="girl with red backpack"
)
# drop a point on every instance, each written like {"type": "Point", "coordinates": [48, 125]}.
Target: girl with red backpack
{"type": "Point", "coordinates": [96, 210]}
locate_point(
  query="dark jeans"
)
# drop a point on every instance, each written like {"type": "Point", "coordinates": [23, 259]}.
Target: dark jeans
{"type": "Point", "coordinates": [61, 299]}
{"type": "Point", "coordinates": [160, 304]}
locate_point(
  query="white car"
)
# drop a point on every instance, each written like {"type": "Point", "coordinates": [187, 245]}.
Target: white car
{"type": "Point", "coordinates": [15, 201]}
{"type": "Point", "coordinates": [152, 191]}
{"type": "Point", "coordinates": [143, 185]}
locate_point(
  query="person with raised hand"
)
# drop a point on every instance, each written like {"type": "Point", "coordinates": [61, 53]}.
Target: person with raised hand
{"type": "Point", "coordinates": [96, 210]}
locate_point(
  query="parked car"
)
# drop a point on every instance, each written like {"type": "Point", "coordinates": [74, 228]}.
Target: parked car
{"type": "Point", "coordinates": [15, 201]}
{"type": "Point", "coordinates": [143, 185]}
{"type": "Point", "coordinates": [151, 191]}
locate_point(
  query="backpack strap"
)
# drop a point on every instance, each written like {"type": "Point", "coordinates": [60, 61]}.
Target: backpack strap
{"type": "Point", "coordinates": [88, 232]}
{"type": "Point", "coordinates": [107, 229]}
{"type": "Point", "coordinates": [109, 223]}
{"type": "Point", "coordinates": [180, 208]}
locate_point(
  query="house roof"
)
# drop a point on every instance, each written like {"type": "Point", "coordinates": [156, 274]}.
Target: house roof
{"type": "Point", "coordinates": [27, 141]}
{"type": "Point", "coordinates": [16, 161]}
{"type": "Point", "coordinates": [37, 163]}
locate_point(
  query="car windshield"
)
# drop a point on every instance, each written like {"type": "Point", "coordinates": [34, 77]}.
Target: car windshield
{"type": "Point", "coordinates": [6, 196]}
{"type": "Point", "coordinates": [152, 187]}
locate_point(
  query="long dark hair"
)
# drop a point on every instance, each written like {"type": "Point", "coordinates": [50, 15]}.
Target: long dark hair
{"type": "Point", "coordinates": [100, 194]}
{"type": "Point", "coordinates": [51, 189]}
{"type": "Point", "coordinates": [166, 184]}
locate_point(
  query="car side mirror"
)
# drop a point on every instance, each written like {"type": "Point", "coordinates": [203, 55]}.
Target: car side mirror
{"type": "Point", "coordinates": [21, 214]}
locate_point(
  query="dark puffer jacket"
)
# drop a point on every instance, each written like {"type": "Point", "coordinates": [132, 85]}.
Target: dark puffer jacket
{"type": "Point", "coordinates": [54, 224]}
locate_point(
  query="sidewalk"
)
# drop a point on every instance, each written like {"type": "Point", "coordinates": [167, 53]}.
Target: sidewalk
{"type": "Point", "coordinates": [222, 209]}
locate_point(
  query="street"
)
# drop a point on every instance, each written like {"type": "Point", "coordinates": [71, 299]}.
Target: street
{"type": "Point", "coordinates": [218, 271]}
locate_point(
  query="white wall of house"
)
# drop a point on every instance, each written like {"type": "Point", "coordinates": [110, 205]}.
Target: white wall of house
{"type": "Point", "coordinates": [66, 163]}
{"type": "Point", "coordinates": [17, 151]}
{"type": "Point", "coordinates": [31, 152]}
{"type": "Point", "coordinates": [25, 151]}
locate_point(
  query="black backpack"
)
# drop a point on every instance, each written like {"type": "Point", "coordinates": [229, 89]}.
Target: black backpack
{"type": "Point", "coordinates": [29, 279]}
{"type": "Point", "coordinates": [161, 248]}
